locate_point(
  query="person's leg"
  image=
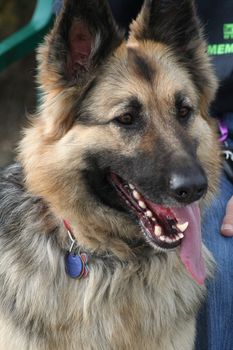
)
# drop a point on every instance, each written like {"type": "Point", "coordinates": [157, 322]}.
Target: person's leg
{"type": "Point", "coordinates": [214, 326]}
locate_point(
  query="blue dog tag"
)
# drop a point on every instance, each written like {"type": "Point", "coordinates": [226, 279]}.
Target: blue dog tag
{"type": "Point", "coordinates": [74, 265]}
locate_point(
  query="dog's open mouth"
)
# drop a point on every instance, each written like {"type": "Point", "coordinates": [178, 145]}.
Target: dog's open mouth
{"type": "Point", "coordinates": [160, 225]}
{"type": "Point", "coordinates": [167, 228]}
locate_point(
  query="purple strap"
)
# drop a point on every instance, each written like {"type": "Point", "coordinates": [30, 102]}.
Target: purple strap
{"type": "Point", "coordinates": [223, 131]}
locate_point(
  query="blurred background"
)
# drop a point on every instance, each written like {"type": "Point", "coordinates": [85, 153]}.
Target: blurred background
{"type": "Point", "coordinates": [17, 83]}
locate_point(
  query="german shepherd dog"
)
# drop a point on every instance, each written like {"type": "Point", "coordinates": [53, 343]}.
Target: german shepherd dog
{"type": "Point", "coordinates": [99, 218]}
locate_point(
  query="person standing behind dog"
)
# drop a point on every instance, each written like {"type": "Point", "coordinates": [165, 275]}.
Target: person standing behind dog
{"type": "Point", "coordinates": [216, 317]}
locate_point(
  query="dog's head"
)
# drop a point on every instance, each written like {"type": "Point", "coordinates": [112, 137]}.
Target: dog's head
{"type": "Point", "coordinates": [123, 139]}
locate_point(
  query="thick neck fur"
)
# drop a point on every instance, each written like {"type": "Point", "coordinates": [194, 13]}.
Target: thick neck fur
{"type": "Point", "coordinates": [147, 302]}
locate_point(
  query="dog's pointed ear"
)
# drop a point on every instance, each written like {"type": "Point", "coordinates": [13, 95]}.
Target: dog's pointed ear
{"type": "Point", "coordinates": [175, 24]}
{"type": "Point", "coordinates": [84, 34]}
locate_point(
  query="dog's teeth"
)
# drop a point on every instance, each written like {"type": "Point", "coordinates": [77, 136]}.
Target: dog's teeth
{"type": "Point", "coordinates": [168, 239]}
{"type": "Point", "coordinates": [142, 204]}
{"type": "Point", "coordinates": [131, 187]}
{"type": "Point", "coordinates": [149, 214]}
{"type": "Point", "coordinates": [177, 238]}
{"type": "Point", "coordinates": [182, 227]}
{"type": "Point", "coordinates": [157, 231]}
{"type": "Point", "coordinates": [136, 195]}
{"type": "Point", "coordinates": [180, 235]}
{"type": "Point", "coordinates": [153, 219]}
{"type": "Point", "coordinates": [162, 238]}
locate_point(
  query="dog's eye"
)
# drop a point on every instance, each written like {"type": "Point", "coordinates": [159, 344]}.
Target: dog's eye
{"type": "Point", "coordinates": [184, 113]}
{"type": "Point", "coordinates": [125, 119]}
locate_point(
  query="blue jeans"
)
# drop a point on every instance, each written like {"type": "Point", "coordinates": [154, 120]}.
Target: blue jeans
{"type": "Point", "coordinates": [215, 322]}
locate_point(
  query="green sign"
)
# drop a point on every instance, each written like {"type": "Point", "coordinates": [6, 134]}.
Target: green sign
{"type": "Point", "coordinates": [228, 31]}
{"type": "Point", "coordinates": [220, 49]}
{"type": "Point", "coordinates": [225, 48]}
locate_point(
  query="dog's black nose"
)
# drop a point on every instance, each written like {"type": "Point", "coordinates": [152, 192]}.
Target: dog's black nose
{"type": "Point", "coordinates": [189, 184]}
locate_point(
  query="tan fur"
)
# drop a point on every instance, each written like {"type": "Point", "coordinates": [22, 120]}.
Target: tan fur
{"type": "Point", "coordinates": [47, 158]}
{"type": "Point", "coordinates": [147, 302]}
{"type": "Point", "coordinates": [139, 312]}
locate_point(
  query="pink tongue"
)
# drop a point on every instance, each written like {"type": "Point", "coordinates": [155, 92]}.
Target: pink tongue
{"type": "Point", "coordinates": [190, 249]}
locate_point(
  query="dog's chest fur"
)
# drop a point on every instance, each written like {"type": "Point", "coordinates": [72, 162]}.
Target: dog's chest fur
{"type": "Point", "coordinates": [146, 303]}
